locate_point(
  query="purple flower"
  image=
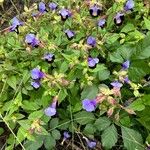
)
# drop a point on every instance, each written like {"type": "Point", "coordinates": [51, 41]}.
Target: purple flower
{"type": "Point", "coordinates": [91, 144]}
{"type": "Point", "coordinates": [49, 57]}
{"type": "Point", "coordinates": [126, 80]}
{"type": "Point", "coordinates": [66, 135]}
{"type": "Point", "coordinates": [91, 41]}
{"type": "Point", "coordinates": [89, 105]}
{"type": "Point", "coordinates": [32, 40]}
{"type": "Point", "coordinates": [15, 23]}
{"type": "Point", "coordinates": [70, 34]}
{"type": "Point", "coordinates": [36, 74]}
{"type": "Point", "coordinates": [35, 84]}
{"type": "Point", "coordinates": [52, 6]}
{"type": "Point", "coordinates": [95, 10]}
{"type": "Point", "coordinates": [51, 110]}
{"type": "Point", "coordinates": [101, 23]}
{"type": "Point", "coordinates": [92, 61]}
{"type": "Point", "coordinates": [116, 84]}
{"type": "Point", "coordinates": [126, 65]}
{"type": "Point", "coordinates": [129, 5]}
{"type": "Point", "coordinates": [42, 7]}
{"type": "Point", "coordinates": [65, 14]}
{"type": "Point", "coordinates": [118, 19]}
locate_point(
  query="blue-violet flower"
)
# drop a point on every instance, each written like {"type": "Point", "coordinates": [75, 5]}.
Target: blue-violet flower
{"type": "Point", "coordinates": [89, 105]}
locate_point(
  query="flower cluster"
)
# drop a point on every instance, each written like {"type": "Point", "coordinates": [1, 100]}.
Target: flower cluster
{"type": "Point", "coordinates": [36, 75]}
{"type": "Point", "coordinates": [110, 95]}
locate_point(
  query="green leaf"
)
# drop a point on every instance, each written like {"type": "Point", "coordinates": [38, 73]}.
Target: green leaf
{"type": "Point", "coordinates": [54, 123]}
{"type": "Point", "coordinates": [102, 123]}
{"type": "Point", "coordinates": [103, 75]}
{"type": "Point", "coordinates": [27, 105]}
{"type": "Point", "coordinates": [49, 142]}
{"type": "Point", "coordinates": [36, 115]}
{"type": "Point", "coordinates": [64, 67]}
{"type": "Point", "coordinates": [89, 92]}
{"type": "Point", "coordinates": [137, 105]}
{"type": "Point", "coordinates": [84, 117]}
{"type": "Point", "coordinates": [12, 82]}
{"type": "Point", "coordinates": [142, 50]}
{"type": "Point", "coordinates": [147, 23]}
{"type": "Point", "coordinates": [62, 95]}
{"type": "Point", "coordinates": [89, 129]}
{"type": "Point", "coordinates": [132, 139]}
{"type": "Point", "coordinates": [30, 145]}
{"type": "Point", "coordinates": [56, 134]}
{"type": "Point", "coordinates": [1, 130]}
{"type": "Point", "coordinates": [109, 137]}
{"type": "Point", "coordinates": [128, 27]}
{"type": "Point", "coordinates": [21, 135]}
{"type": "Point", "coordinates": [124, 52]}
{"type": "Point", "coordinates": [138, 70]}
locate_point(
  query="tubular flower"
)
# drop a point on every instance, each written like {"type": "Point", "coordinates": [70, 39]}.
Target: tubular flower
{"type": "Point", "coordinates": [51, 110]}
{"type": "Point", "coordinates": [53, 6]}
{"type": "Point", "coordinates": [129, 5]}
{"type": "Point", "coordinates": [31, 39]}
{"type": "Point", "coordinates": [92, 62]}
{"type": "Point", "coordinates": [91, 41]}
{"type": "Point", "coordinates": [89, 105]}
{"type": "Point", "coordinates": [118, 19]}
{"type": "Point", "coordinates": [65, 14]}
{"type": "Point", "coordinates": [101, 23]}
{"type": "Point", "coordinates": [95, 10]}
{"type": "Point", "coordinates": [15, 23]}
{"type": "Point", "coordinates": [70, 34]}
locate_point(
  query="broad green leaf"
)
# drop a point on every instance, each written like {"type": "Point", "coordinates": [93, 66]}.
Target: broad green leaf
{"type": "Point", "coordinates": [56, 134]}
{"type": "Point", "coordinates": [128, 27]}
{"type": "Point", "coordinates": [147, 23]}
{"type": "Point", "coordinates": [62, 95]}
{"type": "Point", "coordinates": [27, 105]}
{"type": "Point", "coordinates": [109, 137]}
{"type": "Point", "coordinates": [103, 75]}
{"type": "Point", "coordinates": [21, 135]}
{"type": "Point", "coordinates": [30, 145]}
{"type": "Point", "coordinates": [137, 105]}
{"type": "Point", "coordinates": [142, 50]}
{"type": "Point", "coordinates": [84, 117]}
{"type": "Point", "coordinates": [122, 53]}
{"type": "Point", "coordinates": [132, 139]}
{"type": "Point", "coordinates": [89, 129]}
{"type": "Point", "coordinates": [138, 70]}
{"type": "Point", "coordinates": [102, 123]}
{"type": "Point", "coordinates": [12, 82]}
{"type": "Point", "coordinates": [36, 114]}
{"type": "Point", "coordinates": [54, 123]}
{"type": "Point", "coordinates": [89, 92]}
{"type": "Point", "coordinates": [49, 142]}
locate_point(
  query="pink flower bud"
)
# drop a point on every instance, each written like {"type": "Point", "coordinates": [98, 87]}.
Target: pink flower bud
{"type": "Point", "coordinates": [110, 111]}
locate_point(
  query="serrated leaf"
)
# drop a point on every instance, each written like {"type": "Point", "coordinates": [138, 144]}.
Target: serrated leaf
{"type": "Point", "coordinates": [84, 117]}
{"type": "Point", "coordinates": [54, 123]}
{"type": "Point", "coordinates": [56, 134]}
{"type": "Point", "coordinates": [49, 142]}
{"type": "Point", "coordinates": [109, 137]}
{"type": "Point", "coordinates": [132, 139]}
{"type": "Point", "coordinates": [102, 123]}
{"type": "Point", "coordinates": [89, 92]}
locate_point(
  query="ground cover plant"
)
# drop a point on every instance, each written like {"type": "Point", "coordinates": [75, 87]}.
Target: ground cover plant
{"type": "Point", "coordinates": [74, 74]}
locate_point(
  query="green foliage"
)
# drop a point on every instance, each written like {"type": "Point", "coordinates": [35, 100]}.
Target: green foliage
{"type": "Point", "coordinates": [120, 116]}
